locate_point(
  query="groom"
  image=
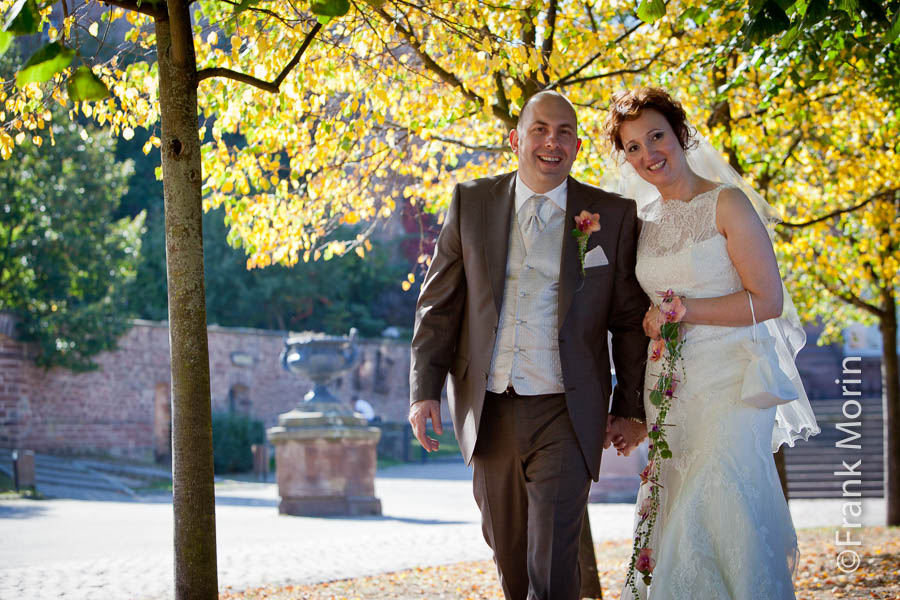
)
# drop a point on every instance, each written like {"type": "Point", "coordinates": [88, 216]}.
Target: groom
{"type": "Point", "coordinates": [507, 312]}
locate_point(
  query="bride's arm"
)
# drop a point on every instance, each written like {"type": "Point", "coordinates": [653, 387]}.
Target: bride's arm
{"type": "Point", "coordinates": [751, 253]}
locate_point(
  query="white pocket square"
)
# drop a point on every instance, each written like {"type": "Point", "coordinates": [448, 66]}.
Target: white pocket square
{"type": "Point", "coordinates": [595, 258]}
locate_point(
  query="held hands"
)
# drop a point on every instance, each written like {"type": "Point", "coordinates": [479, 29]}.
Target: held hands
{"type": "Point", "coordinates": [651, 323]}
{"type": "Point", "coordinates": [672, 309]}
{"type": "Point", "coordinates": [419, 413]}
{"type": "Point", "coordinates": [624, 434]}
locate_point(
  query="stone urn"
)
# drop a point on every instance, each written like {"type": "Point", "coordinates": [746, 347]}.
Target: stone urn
{"type": "Point", "coordinates": [325, 453]}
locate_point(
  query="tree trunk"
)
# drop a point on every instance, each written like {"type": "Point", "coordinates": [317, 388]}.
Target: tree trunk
{"type": "Point", "coordinates": [587, 562]}
{"type": "Point", "coordinates": [192, 458]}
{"type": "Point", "coordinates": [890, 384]}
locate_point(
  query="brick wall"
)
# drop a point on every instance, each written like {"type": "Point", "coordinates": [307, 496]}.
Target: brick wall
{"type": "Point", "coordinates": [122, 407]}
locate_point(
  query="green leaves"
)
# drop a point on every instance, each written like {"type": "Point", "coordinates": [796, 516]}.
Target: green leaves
{"type": "Point", "coordinates": [669, 331]}
{"type": "Point", "coordinates": [24, 19]}
{"type": "Point", "coordinates": [244, 5]}
{"type": "Point", "coordinates": [768, 21]}
{"type": "Point", "coordinates": [816, 10]}
{"type": "Point", "coordinates": [84, 85]}
{"type": "Point", "coordinates": [45, 63]}
{"type": "Point", "coordinates": [895, 29]}
{"type": "Point", "coordinates": [326, 10]}
{"type": "Point", "coordinates": [6, 39]}
{"type": "Point", "coordinates": [67, 261]}
{"type": "Point", "coordinates": [651, 10]}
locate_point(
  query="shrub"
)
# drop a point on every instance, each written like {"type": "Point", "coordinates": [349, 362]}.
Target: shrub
{"type": "Point", "coordinates": [233, 434]}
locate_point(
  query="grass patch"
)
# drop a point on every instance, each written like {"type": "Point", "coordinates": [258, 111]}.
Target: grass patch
{"type": "Point", "coordinates": [386, 461]}
{"type": "Point", "coordinates": [449, 447]}
{"type": "Point", "coordinates": [8, 490]}
{"type": "Point", "coordinates": [152, 487]}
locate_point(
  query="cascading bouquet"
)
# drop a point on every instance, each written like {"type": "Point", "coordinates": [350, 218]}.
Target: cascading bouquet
{"type": "Point", "coordinates": [666, 347]}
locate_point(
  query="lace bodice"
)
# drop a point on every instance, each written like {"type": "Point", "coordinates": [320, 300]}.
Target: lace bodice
{"type": "Point", "coordinates": [680, 248]}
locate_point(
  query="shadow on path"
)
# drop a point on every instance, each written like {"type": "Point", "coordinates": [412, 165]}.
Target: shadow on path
{"type": "Point", "coordinates": [21, 509]}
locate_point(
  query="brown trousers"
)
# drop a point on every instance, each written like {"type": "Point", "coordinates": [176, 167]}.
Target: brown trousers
{"type": "Point", "coordinates": [531, 484]}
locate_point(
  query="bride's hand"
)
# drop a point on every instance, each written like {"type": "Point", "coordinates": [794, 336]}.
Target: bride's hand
{"type": "Point", "coordinates": [651, 322]}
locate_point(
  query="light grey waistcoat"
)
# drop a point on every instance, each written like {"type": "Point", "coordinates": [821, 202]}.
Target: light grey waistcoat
{"type": "Point", "coordinates": [526, 353]}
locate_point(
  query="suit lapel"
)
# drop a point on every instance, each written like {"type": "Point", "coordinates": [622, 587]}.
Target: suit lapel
{"type": "Point", "coordinates": [569, 270]}
{"type": "Point", "coordinates": [498, 209]}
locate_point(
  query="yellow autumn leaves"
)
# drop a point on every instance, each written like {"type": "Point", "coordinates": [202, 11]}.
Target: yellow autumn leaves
{"type": "Point", "coordinates": [395, 103]}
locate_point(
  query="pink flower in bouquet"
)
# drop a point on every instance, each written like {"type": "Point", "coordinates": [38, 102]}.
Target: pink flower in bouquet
{"type": "Point", "coordinates": [587, 223]}
{"type": "Point", "coordinates": [671, 309]}
{"type": "Point", "coordinates": [645, 561]}
{"type": "Point", "coordinates": [645, 474]}
{"type": "Point", "coordinates": [670, 391]}
{"type": "Point", "coordinates": [657, 346]}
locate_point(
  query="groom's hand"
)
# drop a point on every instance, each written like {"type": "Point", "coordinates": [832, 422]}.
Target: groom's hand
{"type": "Point", "coordinates": [419, 413]}
{"type": "Point", "coordinates": [624, 434]}
{"type": "Point", "coordinates": [612, 434]}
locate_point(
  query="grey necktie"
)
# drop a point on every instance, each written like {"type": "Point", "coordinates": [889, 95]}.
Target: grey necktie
{"type": "Point", "coordinates": [531, 222]}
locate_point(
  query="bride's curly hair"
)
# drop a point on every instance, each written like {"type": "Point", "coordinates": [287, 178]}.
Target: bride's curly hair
{"type": "Point", "coordinates": [629, 104]}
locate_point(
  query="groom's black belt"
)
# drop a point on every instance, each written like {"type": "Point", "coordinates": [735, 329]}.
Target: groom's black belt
{"type": "Point", "coordinates": [511, 392]}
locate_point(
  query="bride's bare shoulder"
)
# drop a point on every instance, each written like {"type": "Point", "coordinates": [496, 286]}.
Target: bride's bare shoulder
{"type": "Point", "coordinates": [733, 209]}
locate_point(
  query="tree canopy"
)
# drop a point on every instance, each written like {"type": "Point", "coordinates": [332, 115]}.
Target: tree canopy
{"type": "Point", "coordinates": [66, 262]}
{"type": "Point", "coordinates": [316, 296]}
{"type": "Point", "coordinates": [395, 102]}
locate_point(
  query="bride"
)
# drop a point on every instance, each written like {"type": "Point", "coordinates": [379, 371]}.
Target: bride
{"type": "Point", "coordinates": [712, 521]}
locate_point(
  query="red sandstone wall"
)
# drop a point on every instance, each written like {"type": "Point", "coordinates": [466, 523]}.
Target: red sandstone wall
{"type": "Point", "coordinates": [113, 409]}
{"type": "Point", "coordinates": [122, 407]}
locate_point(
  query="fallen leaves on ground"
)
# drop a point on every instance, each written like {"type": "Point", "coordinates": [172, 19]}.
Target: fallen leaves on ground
{"type": "Point", "coordinates": [818, 577]}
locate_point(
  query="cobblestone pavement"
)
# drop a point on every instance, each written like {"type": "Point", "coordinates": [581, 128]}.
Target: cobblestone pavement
{"type": "Point", "coordinates": [110, 550]}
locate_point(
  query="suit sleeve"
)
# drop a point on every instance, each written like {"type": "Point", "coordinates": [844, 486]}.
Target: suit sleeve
{"type": "Point", "coordinates": [438, 311]}
{"type": "Point", "coordinates": [629, 344]}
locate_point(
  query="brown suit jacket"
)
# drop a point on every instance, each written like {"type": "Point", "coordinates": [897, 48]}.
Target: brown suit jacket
{"type": "Point", "coordinates": [458, 311]}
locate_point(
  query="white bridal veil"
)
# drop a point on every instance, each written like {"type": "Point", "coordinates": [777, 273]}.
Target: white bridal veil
{"type": "Point", "coordinates": [795, 419]}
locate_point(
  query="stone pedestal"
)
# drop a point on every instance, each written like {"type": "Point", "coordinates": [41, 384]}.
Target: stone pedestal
{"type": "Point", "coordinates": [325, 461]}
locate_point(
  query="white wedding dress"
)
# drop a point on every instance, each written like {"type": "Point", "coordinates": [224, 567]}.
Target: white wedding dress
{"type": "Point", "coordinates": [724, 530]}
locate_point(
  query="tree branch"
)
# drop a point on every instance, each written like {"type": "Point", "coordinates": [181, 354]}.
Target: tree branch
{"type": "Point", "coordinates": [502, 100]}
{"type": "Point", "coordinates": [851, 298]}
{"type": "Point", "coordinates": [476, 147]}
{"type": "Point", "coordinates": [267, 86]}
{"type": "Point", "coordinates": [156, 10]}
{"type": "Point", "coordinates": [564, 80]}
{"type": "Point", "coordinates": [547, 45]}
{"type": "Point", "coordinates": [835, 213]}
{"type": "Point", "coordinates": [434, 67]}
{"type": "Point", "coordinates": [615, 73]}
{"type": "Point", "coordinates": [590, 14]}
{"type": "Point", "coordinates": [264, 11]}
{"type": "Point", "coordinates": [65, 8]}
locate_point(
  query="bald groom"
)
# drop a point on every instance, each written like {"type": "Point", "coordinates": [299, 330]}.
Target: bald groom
{"type": "Point", "coordinates": [506, 311]}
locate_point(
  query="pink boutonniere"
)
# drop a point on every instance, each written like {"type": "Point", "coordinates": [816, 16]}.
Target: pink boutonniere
{"type": "Point", "coordinates": [585, 224]}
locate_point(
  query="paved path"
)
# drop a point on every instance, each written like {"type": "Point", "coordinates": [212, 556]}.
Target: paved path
{"type": "Point", "coordinates": [121, 549]}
